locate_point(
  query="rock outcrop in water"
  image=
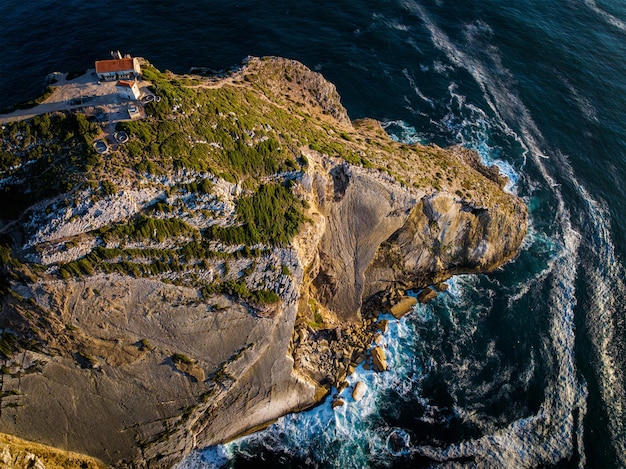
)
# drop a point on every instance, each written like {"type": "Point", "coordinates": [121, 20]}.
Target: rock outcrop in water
{"type": "Point", "coordinates": [178, 306]}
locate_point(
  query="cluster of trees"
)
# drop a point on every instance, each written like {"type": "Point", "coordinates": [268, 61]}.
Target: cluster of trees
{"type": "Point", "coordinates": [239, 289]}
{"type": "Point", "coordinates": [60, 152]}
{"type": "Point", "coordinates": [272, 215]}
{"type": "Point", "coordinates": [333, 148]}
{"type": "Point", "coordinates": [149, 261]}
{"type": "Point", "coordinates": [223, 131]}
{"type": "Point", "coordinates": [144, 227]}
{"type": "Point", "coordinates": [171, 95]}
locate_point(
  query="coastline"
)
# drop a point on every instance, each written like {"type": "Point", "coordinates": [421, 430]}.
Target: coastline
{"type": "Point", "coordinates": [296, 351]}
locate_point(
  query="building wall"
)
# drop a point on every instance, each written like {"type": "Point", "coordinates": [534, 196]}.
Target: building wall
{"type": "Point", "coordinates": [128, 93]}
{"type": "Point", "coordinates": [135, 91]}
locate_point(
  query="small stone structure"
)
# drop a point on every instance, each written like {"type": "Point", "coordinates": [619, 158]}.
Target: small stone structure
{"type": "Point", "coordinates": [128, 89]}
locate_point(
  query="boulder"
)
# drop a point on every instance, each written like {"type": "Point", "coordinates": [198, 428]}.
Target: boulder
{"type": "Point", "coordinates": [191, 369]}
{"type": "Point", "coordinates": [382, 326]}
{"type": "Point", "coordinates": [379, 358]}
{"type": "Point", "coordinates": [359, 391]}
{"type": "Point", "coordinates": [337, 403]}
{"type": "Point", "coordinates": [441, 286]}
{"type": "Point", "coordinates": [403, 306]}
{"type": "Point", "coordinates": [426, 295]}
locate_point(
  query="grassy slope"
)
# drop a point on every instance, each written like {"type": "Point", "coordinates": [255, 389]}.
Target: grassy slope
{"type": "Point", "coordinates": [52, 458]}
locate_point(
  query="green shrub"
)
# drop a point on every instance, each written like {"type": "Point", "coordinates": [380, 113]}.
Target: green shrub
{"type": "Point", "coordinates": [264, 296]}
{"type": "Point", "coordinates": [273, 215]}
{"type": "Point", "coordinates": [8, 160]}
{"type": "Point", "coordinates": [139, 129]}
{"type": "Point", "coordinates": [143, 227]}
{"type": "Point", "coordinates": [181, 358]}
{"type": "Point", "coordinates": [108, 188]}
{"type": "Point", "coordinates": [175, 146]}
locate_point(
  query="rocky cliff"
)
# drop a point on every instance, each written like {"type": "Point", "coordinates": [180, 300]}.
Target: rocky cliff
{"type": "Point", "coordinates": [222, 267]}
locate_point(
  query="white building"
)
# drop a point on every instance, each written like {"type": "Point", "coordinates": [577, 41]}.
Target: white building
{"type": "Point", "coordinates": [128, 89]}
{"type": "Point", "coordinates": [117, 69]}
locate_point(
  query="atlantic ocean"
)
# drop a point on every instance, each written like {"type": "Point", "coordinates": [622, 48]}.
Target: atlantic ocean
{"type": "Point", "coordinates": [520, 368]}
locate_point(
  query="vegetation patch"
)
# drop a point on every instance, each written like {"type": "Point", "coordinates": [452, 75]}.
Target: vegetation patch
{"type": "Point", "coordinates": [273, 215]}
{"type": "Point", "coordinates": [47, 155]}
{"type": "Point", "coordinates": [238, 289]}
{"type": "Point", "coordinates": [144, 227]}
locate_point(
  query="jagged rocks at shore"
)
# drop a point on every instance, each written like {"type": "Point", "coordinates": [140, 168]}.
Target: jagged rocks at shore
{"type": "Point", "coordinates": [379, 358]}
{"type": "Point", "coordinates": [140, 320]}
{"type": "Point", "coordinates": [426, 295]}
{"type": "Point", "coordinates": [403, 306]}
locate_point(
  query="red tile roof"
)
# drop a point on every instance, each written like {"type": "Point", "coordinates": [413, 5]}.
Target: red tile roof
{"type": "Point", "coordinates": [112, 66]}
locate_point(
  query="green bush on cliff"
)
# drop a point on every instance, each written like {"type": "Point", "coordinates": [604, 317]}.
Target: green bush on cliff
{"type": "Point", "coordinates": [273, 215]}
{"type": "Point", "coordinates": [8, 160]}
{"type": "Point", "coordinates": [264, 296]}
{"type": "Point", "coordinates": [139, 129]}
{"type": "Point", "coordinates": [108, 188]}
{"type": "Point", "coordinates": [181, 358]}
{"type": "Point", "coordinates": [132, 261]}
{"type": "Point", "coordinates": [143, 227]}
{"type": "Point", "coordinates": [59, 151]}
{"type": "Point", "coordinates": [239, 289]}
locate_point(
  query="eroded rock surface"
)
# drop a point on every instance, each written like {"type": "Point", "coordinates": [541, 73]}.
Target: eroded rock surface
{"type": "Point", "coordinates": [139, 369]}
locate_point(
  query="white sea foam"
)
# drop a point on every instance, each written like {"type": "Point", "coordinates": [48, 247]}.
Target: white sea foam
{"type": "Point", "coordinates": [608, 293]}
{"type": "Point", "coordinates": [586, 107]}
{"type": "Point", "coordinates": [607, 288]}
{"type": "Point", "coordinates": [214, 457]}
{"type": "Point", "coordinates": [510, 446]}
{"type": "Point", "coordinates": [401, 131]}
{"type": "Point", "coordinates": [606, 16]}
{"type": "Point", "coordinates": [421, 95]}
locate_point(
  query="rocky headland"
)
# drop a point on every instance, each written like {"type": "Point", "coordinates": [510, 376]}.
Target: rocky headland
{"type": "Point", "coordinates": [225, 265]}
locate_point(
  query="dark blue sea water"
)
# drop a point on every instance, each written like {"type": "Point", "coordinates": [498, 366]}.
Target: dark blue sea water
{"type": "Point", "coordinates": [521, 368]}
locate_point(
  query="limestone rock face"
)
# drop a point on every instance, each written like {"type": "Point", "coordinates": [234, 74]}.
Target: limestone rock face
{"type": "Point", "coordinates": [138, 370]}
{"type": "Point", "coordinates": [443, 236]}
{"type": "Point", "coordinates": [380, 236]}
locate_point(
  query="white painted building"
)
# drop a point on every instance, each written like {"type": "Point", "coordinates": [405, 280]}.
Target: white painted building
{"type": "Point", "coordinates": [128, 89]}
{"type": "Point", "coordinates": [117, 69]}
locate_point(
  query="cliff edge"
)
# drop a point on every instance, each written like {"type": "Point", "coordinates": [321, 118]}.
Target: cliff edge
{"type": "Point", "coordinates": [219, 263]}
